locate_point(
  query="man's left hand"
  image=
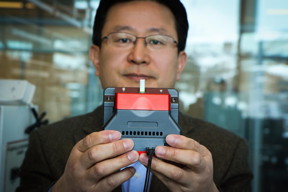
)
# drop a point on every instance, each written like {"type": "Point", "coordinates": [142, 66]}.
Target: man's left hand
{"type": "Point", "coordinates": [185, 165]}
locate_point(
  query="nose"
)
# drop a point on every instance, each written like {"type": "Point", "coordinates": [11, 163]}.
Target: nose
{"type": "Point", "coordinates": [139, 53]}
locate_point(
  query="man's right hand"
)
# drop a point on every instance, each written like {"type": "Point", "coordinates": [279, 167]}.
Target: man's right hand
{"type": "Point", "coordinates": [94, 163]}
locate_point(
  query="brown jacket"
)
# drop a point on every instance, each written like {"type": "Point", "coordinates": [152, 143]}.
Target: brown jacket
{"type": "Point", "coordinates": [49, 149]}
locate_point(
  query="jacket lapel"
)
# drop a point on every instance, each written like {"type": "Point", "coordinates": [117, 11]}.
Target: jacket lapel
{"type": "Point", "coordinates": [93, 122]}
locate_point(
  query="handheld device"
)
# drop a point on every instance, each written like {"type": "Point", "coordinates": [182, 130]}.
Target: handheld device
{"type": "Point", "coordinates": [145, 115]}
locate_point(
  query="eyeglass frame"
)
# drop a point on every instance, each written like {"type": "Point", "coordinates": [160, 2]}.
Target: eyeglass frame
{"type": "Point", "coordinates": [173, 41]}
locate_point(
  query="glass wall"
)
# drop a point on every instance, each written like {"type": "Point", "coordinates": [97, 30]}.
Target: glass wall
{"type": "Point", "coordinates": [47, 44]}
{"type": "Point", "coordinates": [236, 76]}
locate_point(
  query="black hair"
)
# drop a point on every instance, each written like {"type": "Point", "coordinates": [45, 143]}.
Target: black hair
{"type": "Point", "coordinates": [175, 6]}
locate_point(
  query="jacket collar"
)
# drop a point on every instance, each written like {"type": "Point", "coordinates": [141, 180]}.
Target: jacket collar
{"type": "Point", "coordinates": [92, 122]}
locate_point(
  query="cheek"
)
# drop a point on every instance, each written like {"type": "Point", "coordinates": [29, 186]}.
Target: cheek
{"type": "Point", "coordinates": [111, 59]}
{"type": "Point", "coordinates": [167, 66]}
{"type": "Point", "coordinates": [167, 71]}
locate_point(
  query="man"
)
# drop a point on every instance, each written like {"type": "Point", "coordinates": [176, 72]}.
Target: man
{"type": "Point", "coordinates": [135, 40]}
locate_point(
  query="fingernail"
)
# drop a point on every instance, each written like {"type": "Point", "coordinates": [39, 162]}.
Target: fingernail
{"type": "Point", "coordinates": [160, 151]}
{"type": "Point", "coordinates": [144, 159]}
{"type": "Point", "coordinates": [115, 135]}
{"type": "Point", "coordinates": [171, 139]}
{"type": "Point", "coordinates": [128, 144]}
{"type": "Point", "coordinates": [132, 170]}
{"type": "Point", "coordinates": [132, 156]}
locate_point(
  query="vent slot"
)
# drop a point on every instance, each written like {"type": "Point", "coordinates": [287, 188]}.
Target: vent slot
{"type": "Point", "coordinates": [142, 133]}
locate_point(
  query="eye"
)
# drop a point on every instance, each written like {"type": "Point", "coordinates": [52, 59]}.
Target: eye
{"type": "Point", "coordinates": [156, 40]}
{"type": "Point", "coordinates": [123, 40]}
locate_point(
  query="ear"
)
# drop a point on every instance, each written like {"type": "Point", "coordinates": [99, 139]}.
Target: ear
{"type": "Point", "coordinates": [182, 60]}
{"type": "Point", "coordinates": [94, 55]}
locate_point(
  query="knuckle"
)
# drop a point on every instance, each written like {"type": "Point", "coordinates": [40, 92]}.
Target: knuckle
{"type": "Point", "coordinates": [193, 144]}
{"type": "Point", "coordinates": [99, 170]}
{"type": "Point", "coordinates": [86, 142]}
{"type": "Point", "coordinates": [115, 147]}
{"type": "Point", "coordinates": [196, 160]}
{"type": "Point", "coordinates": [92, 154]}
{"type": "Point", "coordinates": [171, 152]}
{"type": "Point", "coordinates": [112, 182]}
{"type": "Point", "coordinates": [177, 174]}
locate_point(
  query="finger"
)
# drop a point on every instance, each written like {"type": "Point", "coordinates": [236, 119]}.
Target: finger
{"type": "Point", "coordinates": [97, 138]}
{"type": "Point", "coordinates": [101, 152]}
{"type": "Point", "coordinates": [112, 181]}
{"type": "Point", "coordinates": [165, 169]}
{"type": "Point", "coordinates": [170, 184]}
{"type": "Point", "coordinates": [182, 142]}
{"type": "Point", "coordinates": [189, 158]}
{"type": "Point", "coordinates": [178, 178]}
{"type": "Point", "coordinates": [110, 166]}
{"type": "Point", "coordinates": [197, 154]}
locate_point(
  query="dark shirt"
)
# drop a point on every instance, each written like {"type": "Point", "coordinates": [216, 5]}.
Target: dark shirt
{"type": "Point", "coordinates": [50, 146]}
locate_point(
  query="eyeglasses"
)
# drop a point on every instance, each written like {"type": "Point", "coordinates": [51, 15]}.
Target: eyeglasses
{"type": "Point", "coordinates": [127, 40]}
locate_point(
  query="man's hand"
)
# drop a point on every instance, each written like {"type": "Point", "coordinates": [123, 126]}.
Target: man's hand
{"type": "Point", "coordinates": [94, 163]}
{"type": "Point", "coordinates": [185, 165]}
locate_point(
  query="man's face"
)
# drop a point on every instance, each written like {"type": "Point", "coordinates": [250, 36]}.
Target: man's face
{"type": "Point", "coordinates": [124, 67]}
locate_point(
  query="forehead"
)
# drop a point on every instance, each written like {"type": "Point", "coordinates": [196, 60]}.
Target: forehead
{"type": "Point", "coordinates": [140, 17]}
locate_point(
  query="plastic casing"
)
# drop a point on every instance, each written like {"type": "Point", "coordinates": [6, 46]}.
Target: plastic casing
{"type": "Point", "coordinates": [146, 118]}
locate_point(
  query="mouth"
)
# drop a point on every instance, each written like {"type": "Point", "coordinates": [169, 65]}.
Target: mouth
{"type": "Point", "coordinates": [138, 77]}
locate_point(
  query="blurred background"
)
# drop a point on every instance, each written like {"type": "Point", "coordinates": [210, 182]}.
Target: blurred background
{"type": "Point", "coordinates": [236, 77]}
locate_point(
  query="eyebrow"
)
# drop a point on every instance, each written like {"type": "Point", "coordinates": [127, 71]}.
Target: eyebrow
{"type": "Point", "coordinates": [120, 28]}
{"type": "Point", "coordinates": [159, 30]}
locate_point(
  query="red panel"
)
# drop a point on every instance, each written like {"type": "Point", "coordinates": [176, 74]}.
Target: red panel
{"type": "Point", "coordinates": [140, 152]}
{"type": "Point", "coordinates": [142, 101]}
